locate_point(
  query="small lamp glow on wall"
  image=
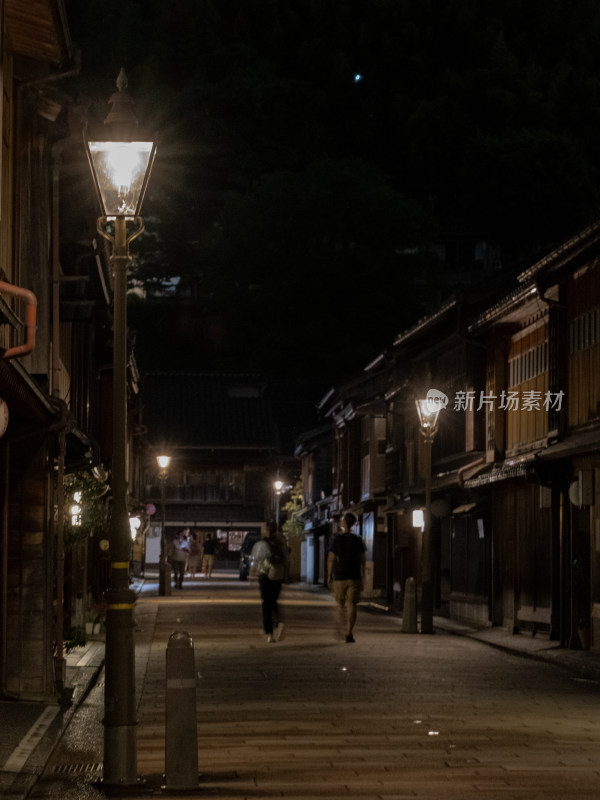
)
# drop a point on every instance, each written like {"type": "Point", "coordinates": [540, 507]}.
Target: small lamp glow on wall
{"type": "Point", "coordinates": [134, 524]}
{"type": "Point", "coordinates": [76, 510]}
{"type": "Point", "coordinates": [418, 518]}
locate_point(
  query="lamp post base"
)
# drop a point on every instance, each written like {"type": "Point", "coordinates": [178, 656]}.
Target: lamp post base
{"type": "Point", "coordinates": [164, 582]}
{"type": "Point", "coordinates": [427, 608]}
{"type": "Point", "coordinates": [120, 763]}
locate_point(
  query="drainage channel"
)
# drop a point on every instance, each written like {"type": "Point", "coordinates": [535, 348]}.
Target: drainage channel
{"type": "Point", "coordinates": [76, 769]}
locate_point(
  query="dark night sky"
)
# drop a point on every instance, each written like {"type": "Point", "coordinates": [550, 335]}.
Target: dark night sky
{"type": "Point", "coordinates": [296, 202]}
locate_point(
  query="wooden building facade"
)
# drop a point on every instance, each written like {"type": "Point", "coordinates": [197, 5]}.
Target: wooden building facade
{"type": "Point", "coordinates": [515, 525]}
{"type": "Point", "coordinates": [55, 352]}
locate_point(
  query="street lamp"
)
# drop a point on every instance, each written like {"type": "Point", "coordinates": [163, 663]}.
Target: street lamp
{"type": "Point", "coordinates": [120, 166]}
{"type": "Point", "coordinates": [428, 420]}
{"type": "Point", "coordinates": [278, 486]}
{"type": "Point", "coordinates": [164, 578]}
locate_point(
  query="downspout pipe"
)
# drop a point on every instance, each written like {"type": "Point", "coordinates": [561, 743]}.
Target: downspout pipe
{"type": "Point", "coordinates": [30, 320]}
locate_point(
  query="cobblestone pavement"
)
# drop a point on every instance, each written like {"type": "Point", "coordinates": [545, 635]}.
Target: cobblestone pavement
{"type": "Point", "coordinates": [392, 716]}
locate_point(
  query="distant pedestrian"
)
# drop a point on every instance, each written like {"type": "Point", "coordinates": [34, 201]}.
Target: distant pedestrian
{"type": "Point", "coordinates": [346, 568]}
{"type": "Point", "coordinates": [178, 555]}
{"type": "Point", "coordinates": [194, 554]}
{"type": "Point", "coordinates": [208, 554]}
{"type": "Point", "coordinates": [269, 560]}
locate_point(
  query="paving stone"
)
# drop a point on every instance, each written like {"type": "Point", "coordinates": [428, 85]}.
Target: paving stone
{"type": "Point", "coordinates": [442, 717]}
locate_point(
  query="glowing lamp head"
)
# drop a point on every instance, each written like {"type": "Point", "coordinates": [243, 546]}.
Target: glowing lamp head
{"type": "Point", "coordinates": [428, 417]}
{"type": "Point", "coordinates": [121, 172]}
{"type": "Point", "coordinates": [163, 461]}
{"type": "Point", "coordinates": [120, 162]}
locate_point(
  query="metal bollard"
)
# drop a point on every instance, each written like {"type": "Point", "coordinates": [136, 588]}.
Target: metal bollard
{"type": "Point", "coordinates": [181, 733]}
{"type": "Point", "coordinates": [409, 609]}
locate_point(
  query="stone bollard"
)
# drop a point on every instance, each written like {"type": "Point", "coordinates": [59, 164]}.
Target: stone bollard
{"type": "Point", "coordinates": [181, 732]}
{"type": "Point", "coordinates": [409, 610]}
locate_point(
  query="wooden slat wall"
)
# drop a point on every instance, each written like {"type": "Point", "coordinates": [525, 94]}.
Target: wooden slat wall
{"type": "Point", "coordinates": [524, 426]}
{"type": "Point", "coordinates": [584, 386]}
{"type": "Point", "coordinates": [584, 364]}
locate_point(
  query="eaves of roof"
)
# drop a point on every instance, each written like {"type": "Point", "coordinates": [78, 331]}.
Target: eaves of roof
{"type": "Point", "coordinates": [23, 396]}
{"type": "Point", "coordinates": [509, 469]}
{"type": "Point", "coordinates": [577, 442]}
{"type": "Point", "coordinates": [355, 392]}
{"type": "Point", "coordinates": [426, 323]}
{"type": "Point", "coordinates": [308, 440]}
{"type": "Point", "coordinates": [508, 303]}
{"type": "Point", "coordinates": [565, 253]}
{"type": "Point", "coordinates": [38, 29]}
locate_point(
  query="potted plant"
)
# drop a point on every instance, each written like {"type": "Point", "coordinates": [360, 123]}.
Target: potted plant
{"type": "Point", "coordinates": [74, 638]}
{"type": "Point", "coordinates": [95, 617]}
{"type": "Point", "coordinates": [90, 618]}
{"type": "Point", "coordinates": [100, 619]}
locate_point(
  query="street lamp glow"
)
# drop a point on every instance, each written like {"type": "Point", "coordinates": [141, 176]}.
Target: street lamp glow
{"type": "Point", "coordinates": [428, 416]}
{"type": "Point", "coordinates": [120, 170]}
{"type": "Point", "coordinates": [163, 461]}
{"type": "Point", "coordinates": [278, 486]}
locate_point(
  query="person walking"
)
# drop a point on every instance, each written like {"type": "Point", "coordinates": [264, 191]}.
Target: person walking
{"type": "Point", "coordinates": [269, 560]}
{"type": "Point", "coordinates": [178, 555]}
{"type": "Point", "coordinates": [194, 554]}
{"type": "Point", "coordinates": [208, 555]}
{"type": "Point", "coordinates": [346, 571]}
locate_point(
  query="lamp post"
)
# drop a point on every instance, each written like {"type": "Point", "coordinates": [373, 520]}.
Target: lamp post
{"type": "Point", "coordinates": [120, 166]}
{"type": "Point", "coordinates": [278, 486]}
{"type": "Point", "coordinates": [428, 420]}
{"type": "Point", "coordinates": [164, 579]}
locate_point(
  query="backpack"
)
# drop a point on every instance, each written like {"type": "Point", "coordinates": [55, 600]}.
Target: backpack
{"type": "Point", "coordinates": [273, 565]}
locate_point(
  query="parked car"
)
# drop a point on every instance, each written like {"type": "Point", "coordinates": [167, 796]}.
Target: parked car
{"type": "Point", "coordinates": [250, 539]}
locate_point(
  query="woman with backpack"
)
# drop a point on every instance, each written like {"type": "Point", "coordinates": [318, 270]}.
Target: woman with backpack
{"type": "Point", "coordinates": [269, 561]}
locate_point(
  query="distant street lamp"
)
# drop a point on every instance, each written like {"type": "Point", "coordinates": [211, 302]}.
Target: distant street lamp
{"type": "Point", "coordinates": [120, 166]}
{"type": "Point", "coordinates": [278, 486]}
{"type": "Point", "coordinates": [428, 420]}
{"type": "Point", "coordinates": [164, 577]}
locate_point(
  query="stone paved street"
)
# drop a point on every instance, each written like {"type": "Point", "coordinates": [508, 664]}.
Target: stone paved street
{"type": "Point", "coordinates": [391, 716]}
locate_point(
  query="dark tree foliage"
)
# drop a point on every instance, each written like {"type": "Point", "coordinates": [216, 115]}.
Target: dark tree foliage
{"type": "Point", "coordinates": [292, 200]}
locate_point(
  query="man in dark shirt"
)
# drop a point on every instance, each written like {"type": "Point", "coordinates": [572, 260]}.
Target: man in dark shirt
{"type": "Point", "coordinates": [208, 554]}
{"type": "Point", "coordinates": [346, 568]}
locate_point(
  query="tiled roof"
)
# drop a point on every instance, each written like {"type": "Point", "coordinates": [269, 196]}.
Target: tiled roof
{"type": "Point", "coordinates": [208, 410]}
